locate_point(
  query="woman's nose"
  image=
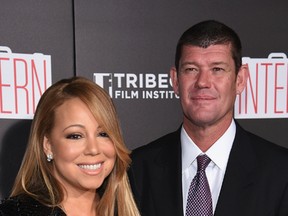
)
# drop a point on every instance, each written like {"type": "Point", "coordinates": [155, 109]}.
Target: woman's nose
{"type": "Point", "coordinates": [92, 147]}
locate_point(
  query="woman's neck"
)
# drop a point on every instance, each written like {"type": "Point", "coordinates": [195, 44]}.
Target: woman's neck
{"type": "Point", "coordinates": [84, 204]}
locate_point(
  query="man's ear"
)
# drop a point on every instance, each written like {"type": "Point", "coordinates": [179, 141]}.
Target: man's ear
{"type": "Point", "coordinates": [174, 79]}
{"type": "Point", "coordinates": [241, 79]}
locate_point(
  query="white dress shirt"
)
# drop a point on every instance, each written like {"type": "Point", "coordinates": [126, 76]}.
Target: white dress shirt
{"type": "Point", "coordinates": [218, 153]}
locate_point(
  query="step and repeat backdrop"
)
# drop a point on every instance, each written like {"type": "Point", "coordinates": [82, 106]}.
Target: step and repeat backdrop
{"type": "Point", "coordinates": [128, 47]}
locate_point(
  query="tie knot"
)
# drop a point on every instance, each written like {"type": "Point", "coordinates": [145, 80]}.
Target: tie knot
{"type": "Point", "coordinates": [202, 162]}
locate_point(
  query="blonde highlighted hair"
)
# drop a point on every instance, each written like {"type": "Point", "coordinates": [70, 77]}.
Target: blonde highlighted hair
{"type": "Point", "coordinates": [35, 176]}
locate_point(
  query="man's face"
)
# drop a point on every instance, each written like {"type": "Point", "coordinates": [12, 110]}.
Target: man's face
{"type": "Point", "coordinates": [207, 84]}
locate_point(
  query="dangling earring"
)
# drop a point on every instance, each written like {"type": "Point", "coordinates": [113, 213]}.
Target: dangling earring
{"type": "Point", "coordinates": [49, 157]}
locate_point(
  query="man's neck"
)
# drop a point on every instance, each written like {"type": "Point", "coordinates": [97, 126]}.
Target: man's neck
{"type": "Point", "coordinates": [205, 136]}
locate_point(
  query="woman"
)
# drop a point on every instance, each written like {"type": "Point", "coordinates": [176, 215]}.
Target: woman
{"type": "Point", "coordinates": [76, 161]}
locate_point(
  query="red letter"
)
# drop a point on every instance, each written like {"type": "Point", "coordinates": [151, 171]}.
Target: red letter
{"type": "Point", "coordinates": [16, 86]}
{"type": "Point", "coordinates": [35, 77]}
{"type": "Point", "coordinates": [266, 84]}
{"type": "Point", "coordinates": [254, 98]}
{"type": "Point", "coordinates": [276, 87]}
{"type": "Point", "coordinates": [2, 85]}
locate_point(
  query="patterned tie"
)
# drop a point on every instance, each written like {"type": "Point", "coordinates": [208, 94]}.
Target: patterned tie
{"type": "Point", "coordinates": [199, 202]}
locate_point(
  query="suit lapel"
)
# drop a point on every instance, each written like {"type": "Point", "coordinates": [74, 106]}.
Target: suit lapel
{"type": "Point", "coordinates": [239, 178]}
{"type": "Point", "coordinates": [169, 192]}
{"type": "Point", "coordinates": [237, 187]}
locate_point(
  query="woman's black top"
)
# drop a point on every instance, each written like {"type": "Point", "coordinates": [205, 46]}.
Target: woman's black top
{"type": "Point", "coordinates": [24, 205]}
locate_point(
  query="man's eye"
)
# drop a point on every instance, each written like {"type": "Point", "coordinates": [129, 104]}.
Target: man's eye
{"type": "Point", "coordinates": [216, 69]}
{"type": "Point", "coordinates": [187, 70]}
{"type": "Point", "coordinates": [103, 134]}
{"type": "Point", "coordinates": [74, 136]}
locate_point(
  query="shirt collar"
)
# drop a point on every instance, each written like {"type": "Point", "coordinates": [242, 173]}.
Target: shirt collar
{"type": "Point", "coordinates": [218, 152]}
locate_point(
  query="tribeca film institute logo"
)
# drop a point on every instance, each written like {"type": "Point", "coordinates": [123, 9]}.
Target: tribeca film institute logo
{"type": "Point", "coordinates": [136, 86]}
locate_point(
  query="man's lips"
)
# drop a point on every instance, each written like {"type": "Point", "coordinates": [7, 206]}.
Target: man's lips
{"type": "Point", "coordinates": [202, 97]}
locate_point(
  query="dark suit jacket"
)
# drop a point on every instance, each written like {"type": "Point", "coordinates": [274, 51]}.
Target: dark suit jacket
{"type": "Point", "coordinates": [255, 182]}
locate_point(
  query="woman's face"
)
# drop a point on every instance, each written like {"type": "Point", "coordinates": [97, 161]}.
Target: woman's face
{"type": "Point", "coordinates": [83, 153]}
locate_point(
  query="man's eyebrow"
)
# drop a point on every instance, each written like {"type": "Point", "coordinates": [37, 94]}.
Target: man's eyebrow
{"type": "Point", "coordinates": [219, 63]}
{"type": "Point", "coordinates": [188, 63]}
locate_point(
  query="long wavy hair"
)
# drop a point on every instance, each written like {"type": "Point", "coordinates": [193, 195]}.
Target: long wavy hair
{"type": "Point", "coordinates": [35, 176]}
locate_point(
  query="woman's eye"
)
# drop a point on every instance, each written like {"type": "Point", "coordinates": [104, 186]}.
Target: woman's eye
{"type": "Point", "coordinates": [103, 134]}
{"type": "Point", "coordinates": [74, 136]}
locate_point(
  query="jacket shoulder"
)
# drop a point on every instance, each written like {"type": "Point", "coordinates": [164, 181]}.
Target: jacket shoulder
{"type": "Point", "coordinates": [264, 150]}
{"type": "Point", "coordinates": [157, 145]}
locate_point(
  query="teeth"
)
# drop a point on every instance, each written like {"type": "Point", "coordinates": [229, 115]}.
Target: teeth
{"type": "Point", "coordinates": [90, 167]}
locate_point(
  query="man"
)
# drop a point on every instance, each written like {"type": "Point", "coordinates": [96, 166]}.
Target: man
{"type": "Point", "coordinates": [246, 175]}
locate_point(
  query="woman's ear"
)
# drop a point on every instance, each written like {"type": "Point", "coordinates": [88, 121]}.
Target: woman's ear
{"type": "Point", "coordinates": [47, 146]}
{"type": "Point", "coordinates": [47, 149]}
